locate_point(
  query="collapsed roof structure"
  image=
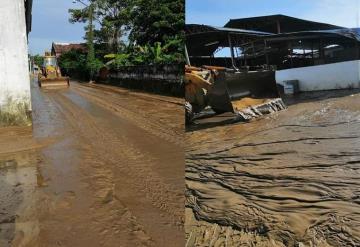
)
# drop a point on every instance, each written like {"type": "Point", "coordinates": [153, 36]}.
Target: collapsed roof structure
{"type": "Point", "coordinates": [278, 24]}
{"type": "Point", "coordinates": [283, 42]}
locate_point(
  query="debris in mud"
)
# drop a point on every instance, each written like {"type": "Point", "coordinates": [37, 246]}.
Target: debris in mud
{"type": "Point", "coordinates": [247, 109]}
{"type": "Point", "coordinates": [8, 164]}
{"type": "Point", "coordinates": [108, 197]}
{"type": "Point", "coordinates": [244, 110]}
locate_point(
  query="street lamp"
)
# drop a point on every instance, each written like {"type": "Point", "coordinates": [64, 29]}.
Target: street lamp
{"type": "Point", "coordinates": [90, 38]}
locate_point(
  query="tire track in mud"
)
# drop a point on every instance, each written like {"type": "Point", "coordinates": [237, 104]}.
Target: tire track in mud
{"type": "Point", "coordinates": [295, 182]}
{"type": "Point", "coordinates": [112, 149]}
{"type": "Point", "coordinates": [109, 215]}
{"type": "Point", "coordinates": [145, 96]}
{"type": "Point", "coordinates": [152, 126]}
{"type": "Point", "coordinates": [121, 225]}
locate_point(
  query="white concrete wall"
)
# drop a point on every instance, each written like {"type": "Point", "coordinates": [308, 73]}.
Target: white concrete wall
{"type": "Point", "coordinates": [14, 74]}
{"type": "Point", "coordinates": [323, 77]}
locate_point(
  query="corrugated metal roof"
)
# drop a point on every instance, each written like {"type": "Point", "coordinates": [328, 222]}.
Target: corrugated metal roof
{"type": "Point", "coordinates": [191, 29]}
{"type": "Point", "coordinates": [287, 24]}
{"type": "Point", "coordinates": [351, 33]}
{"type": "Point", "coordinates": [203, 40]}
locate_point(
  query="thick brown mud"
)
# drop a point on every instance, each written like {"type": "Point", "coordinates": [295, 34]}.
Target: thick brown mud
{"type": "Point", "coordinates": [100, 167]}
{"type": "Point", "coordinates": [286, 179]}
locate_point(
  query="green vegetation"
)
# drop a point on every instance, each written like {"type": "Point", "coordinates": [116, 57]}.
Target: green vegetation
{"type": "Point", "coordinates": [72, 63]}
{"type": "Point", "coordinates": [128, 32]}
{"type": "Point", "coordinates": [38, 60]}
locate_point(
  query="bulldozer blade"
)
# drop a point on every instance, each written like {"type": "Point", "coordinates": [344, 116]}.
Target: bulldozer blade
{"type": "Point", "coordinates": [56, 83]}
{"type": "Point", "coordinates": [253, 88]}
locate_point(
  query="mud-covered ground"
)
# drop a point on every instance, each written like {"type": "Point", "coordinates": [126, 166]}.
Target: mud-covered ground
{"type": "Point", "coordinates": [101, 166]}
{"type": "Point", "coordinates": [287, 179]}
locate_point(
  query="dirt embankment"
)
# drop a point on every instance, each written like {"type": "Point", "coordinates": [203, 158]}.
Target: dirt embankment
{"type": "Point", "coordinates": [288, 179]}
{"type": "Point", "coordinates": [100, 168]}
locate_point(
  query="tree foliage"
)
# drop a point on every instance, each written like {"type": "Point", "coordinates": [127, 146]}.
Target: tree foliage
{"type": "Point", "coordinates": [75, 63]}
{"type": "Point", "coordinates": [112, 18]}
{"type": "Point", "coordinates": [73, 60]}
{"type": "Point", "coordinates": [134, 32]}
{"type": "Point", "coordinates": [156, 21]}
{"type": "Point", "coordinates": [38, 60]}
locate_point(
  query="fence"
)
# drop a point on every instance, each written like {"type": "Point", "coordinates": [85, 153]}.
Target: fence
{"type": "Point", "coordinates": [166, 79]}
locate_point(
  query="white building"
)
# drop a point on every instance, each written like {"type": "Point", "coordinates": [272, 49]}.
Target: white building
{"type": "Point", "coordinates": [15, 24]}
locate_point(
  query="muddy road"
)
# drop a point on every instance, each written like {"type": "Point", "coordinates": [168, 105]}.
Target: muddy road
{"type": "Point", "coordinates": [102, 166]}
{"type": "Point", "coordinates": [289, 179]}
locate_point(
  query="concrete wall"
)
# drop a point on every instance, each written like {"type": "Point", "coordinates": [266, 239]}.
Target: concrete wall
{"type": "Point", "coordinates": [15, 103]}
{"type": "Point", "coordinates": [323, 77]}
{"type": "Point", "coordinates": [164, 79]}
{"type": "Point", "coordinates": [166, 73]}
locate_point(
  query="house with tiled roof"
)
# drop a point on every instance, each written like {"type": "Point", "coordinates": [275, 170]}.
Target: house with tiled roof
{"type": "Point", "coordinates": [59, 48]}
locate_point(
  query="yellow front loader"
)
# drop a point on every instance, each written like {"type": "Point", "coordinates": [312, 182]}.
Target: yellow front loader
{"type": "Point", "coordinates": [247, 94]}
{"type": "Point", "coordinates": [50, 76]}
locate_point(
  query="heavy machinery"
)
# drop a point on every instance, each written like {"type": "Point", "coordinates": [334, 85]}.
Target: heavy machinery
{"type": "Point", "coordinates": [246, 93]}
{"type": "Point", "coordinates": [50, 76]}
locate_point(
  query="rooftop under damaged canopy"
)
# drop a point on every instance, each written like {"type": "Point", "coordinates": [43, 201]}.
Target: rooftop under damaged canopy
{"type": "Point", "coordinates": [278, 24]}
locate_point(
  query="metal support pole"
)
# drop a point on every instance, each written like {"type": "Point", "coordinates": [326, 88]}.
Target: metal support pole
{"type": "Point", "coordinates": [291, 53]}
{"type": "Point", "coordinates": [266, 54]}
{"type": "Point", "coordinates": [232, 53]}
{"type": "Point", "coordinates": [312, 52]}
{"type": "Point", "coordinates": [187, 56]}
{"type": "Point", "coordinates": [278, 26]}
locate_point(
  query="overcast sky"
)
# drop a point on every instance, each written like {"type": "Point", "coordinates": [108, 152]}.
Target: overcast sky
{"type": "Point", "coordinates": [50, 23]}
{"type": "Point", "coordinates": [217, 13]}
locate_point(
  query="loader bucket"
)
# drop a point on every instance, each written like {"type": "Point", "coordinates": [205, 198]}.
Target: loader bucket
{"type": "Point", "coordinates": [234, 91]}
{"type": "Point", "coordinates": [54, 83]}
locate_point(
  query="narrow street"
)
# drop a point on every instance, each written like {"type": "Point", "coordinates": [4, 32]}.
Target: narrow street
{"type": "Point", "coordinates": [102, 166]}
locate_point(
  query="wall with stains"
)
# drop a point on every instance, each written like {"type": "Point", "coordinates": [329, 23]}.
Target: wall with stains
{"type": "Point", "coordinates": [165, 79]}
{"type": "Point", "coordinates": [15, 103]}
{"type": "Point", "coordinates": [323, 77]}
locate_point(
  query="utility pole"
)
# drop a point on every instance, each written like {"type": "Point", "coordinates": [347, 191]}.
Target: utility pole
{"type": "Point", "coordinates": [90, 39]}
{"type": "Point", "coordinates": [91, 50]}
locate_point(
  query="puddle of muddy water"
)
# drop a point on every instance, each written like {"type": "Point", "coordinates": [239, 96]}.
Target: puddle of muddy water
{"type": "Point", "coordinates": [18, 199]}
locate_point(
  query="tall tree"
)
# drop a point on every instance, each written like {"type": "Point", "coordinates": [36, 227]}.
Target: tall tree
{"type": "Point", "coordinates": [156, 21]}
{"type": "Point", "coordinates": [112, 17]}
{"type": "Point", "coordinates": [154, 29]}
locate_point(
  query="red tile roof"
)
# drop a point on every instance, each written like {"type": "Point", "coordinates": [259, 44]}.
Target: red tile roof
{"type": "Point", "coordinates": [59, 48]}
